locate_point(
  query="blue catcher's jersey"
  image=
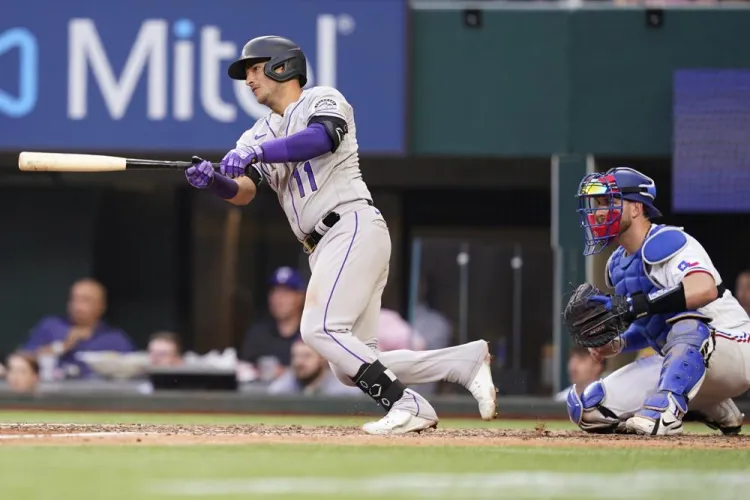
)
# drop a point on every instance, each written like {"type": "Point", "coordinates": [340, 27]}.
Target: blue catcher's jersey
{"type": "Point", "coordinates": [627, 274]}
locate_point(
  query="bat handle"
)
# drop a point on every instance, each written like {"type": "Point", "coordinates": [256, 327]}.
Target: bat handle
{"type": "Point", "coordinates": [197, 160]}
{"type": "Point", "coordinates": [254, 174]}
{"type": "Point", "coordinates": [250, 170]}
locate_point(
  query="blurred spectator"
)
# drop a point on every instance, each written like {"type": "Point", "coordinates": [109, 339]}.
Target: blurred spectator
{"type": "Point", "coordinates": [742, 290]}
{"type": "Point", "coordinates": [165, 349]}
{"type": "Point", "coordinates": [395, 333]}
{"type": "Point", "coordinates": [582, 370]}
{"type": "Point", "coordinates": [80, 331]}
{"type": "Point", "coordinates": [434, 327]}
{"type": "Point", "coordinates": [309, 374]}
{"type": "Point", "coordinates": [22, 373]}
{"type": "Point", "coordinates": [268, 343]}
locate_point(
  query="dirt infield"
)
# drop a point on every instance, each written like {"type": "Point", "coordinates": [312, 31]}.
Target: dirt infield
{"type": "Point", "coordinates": [139, 434]}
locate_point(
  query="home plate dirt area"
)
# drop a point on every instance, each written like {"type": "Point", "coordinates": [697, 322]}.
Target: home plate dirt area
{"type": "Point", "coordinates": [142, 434]}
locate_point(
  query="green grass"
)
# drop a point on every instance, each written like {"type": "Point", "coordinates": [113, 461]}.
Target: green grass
{"type": "Point", "coordinates": [348, 472]}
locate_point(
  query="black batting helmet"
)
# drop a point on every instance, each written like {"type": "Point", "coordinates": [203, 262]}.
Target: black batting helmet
{"type": "Point", "coordinates": [277, 51]}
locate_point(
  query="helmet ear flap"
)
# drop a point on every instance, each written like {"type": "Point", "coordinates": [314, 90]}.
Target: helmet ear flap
{"type": "Point", "coordinates": [294, 64]}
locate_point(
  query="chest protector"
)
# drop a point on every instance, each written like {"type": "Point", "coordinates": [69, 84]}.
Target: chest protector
{"type": "Point", "coordinates": [628, 275]}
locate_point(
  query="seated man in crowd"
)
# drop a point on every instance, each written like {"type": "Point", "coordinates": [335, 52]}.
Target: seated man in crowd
{"type": "Point", "coordinates": [309, 374]}
{"type": "Point", "coordinates": [271, 338]}
{"type": "Point", "coordinates": [165, 349]}
{"type": "Point", "coordinates": [80, 331]}
{"type": "Point", "coordinates": [22, 373]}
{"type": "Point", "coordinates": [583, 369]}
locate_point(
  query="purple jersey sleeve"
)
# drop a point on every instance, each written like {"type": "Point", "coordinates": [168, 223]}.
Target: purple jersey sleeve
{"type": "Point", "coordinates": [46, 331]}
{"type": "Point", "coordinates": [305, 145]}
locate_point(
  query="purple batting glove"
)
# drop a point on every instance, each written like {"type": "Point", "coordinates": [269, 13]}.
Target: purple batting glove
{"type": "Point", "coordinates": [236, 161]}
{"type": "Point", "coordinates": [200, 175]}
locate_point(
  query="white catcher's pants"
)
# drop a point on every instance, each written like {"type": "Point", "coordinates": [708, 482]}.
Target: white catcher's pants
{"type": "Point", "coordinates": [728, 376]}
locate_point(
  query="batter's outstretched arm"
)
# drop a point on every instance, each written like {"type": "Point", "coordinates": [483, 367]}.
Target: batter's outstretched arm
{"type": "Point", "coordinates": [246, 190]}
{"type": "Point", "coordinates": [320, 137]}
{"type": "Point", "coordinates": [317, 139]}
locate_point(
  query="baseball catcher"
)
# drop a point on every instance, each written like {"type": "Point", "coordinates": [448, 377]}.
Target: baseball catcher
{"type": "Point", "coordinates": [668, 296]}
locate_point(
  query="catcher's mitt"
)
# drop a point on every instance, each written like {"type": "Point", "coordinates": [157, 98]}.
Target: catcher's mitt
{"type": "Point", "coordinates": [594, 324]}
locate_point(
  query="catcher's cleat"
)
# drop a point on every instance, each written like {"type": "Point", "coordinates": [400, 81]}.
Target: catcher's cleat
{"type": "Point", "coordinates": [411, 413]}
{"type": "Point", "coordinates": [724, 417]}
{"type": "Point", "coordinates": [661, 415]}
{"type": "Point", "coordinates": [646, 426]}
{"type": "Point", "coordinates": [482, 387]}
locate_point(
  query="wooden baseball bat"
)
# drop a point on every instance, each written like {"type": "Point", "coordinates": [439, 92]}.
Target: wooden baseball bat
{"type": "Point", "coordinates": [30, 161]}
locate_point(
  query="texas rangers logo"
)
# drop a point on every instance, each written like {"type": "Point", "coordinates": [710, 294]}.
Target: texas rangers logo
{"type": "Point", "coordinates": [686, 265]}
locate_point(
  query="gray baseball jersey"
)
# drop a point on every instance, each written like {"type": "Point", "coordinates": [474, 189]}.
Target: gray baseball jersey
{"type": "Point", "coordinates": [350, 263]}
{"type": "Point", "coordinates": [309, 190]}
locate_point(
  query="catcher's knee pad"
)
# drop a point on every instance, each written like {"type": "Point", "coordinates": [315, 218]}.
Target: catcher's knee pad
{"type": "Point", "coordinates": [689, 346]}
{"type": "Point", "coordinates": [588, 412]}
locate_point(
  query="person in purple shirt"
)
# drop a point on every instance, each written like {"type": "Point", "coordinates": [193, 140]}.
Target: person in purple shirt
{"type": "Point", "coordinates": [81, 330]}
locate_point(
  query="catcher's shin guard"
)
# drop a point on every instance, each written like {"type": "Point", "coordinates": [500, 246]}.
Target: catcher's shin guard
{"type": "Point", "coordinates": [588, 412]}
{"type": "Point", "coordinates": [687, 351]}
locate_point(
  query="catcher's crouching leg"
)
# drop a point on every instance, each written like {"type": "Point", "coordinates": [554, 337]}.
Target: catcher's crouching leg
{"type": "Point", "coordinates": [686, 353]}
{"type": "Point", "coordinates": [589, 412]}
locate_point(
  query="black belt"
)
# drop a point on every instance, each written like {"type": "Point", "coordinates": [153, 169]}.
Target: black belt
{"type": "Point", "coordinates": [314, 238]}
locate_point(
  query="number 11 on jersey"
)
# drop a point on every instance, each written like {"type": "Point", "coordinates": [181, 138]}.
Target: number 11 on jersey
{"type": "Point", "coordinates": [310, 178]}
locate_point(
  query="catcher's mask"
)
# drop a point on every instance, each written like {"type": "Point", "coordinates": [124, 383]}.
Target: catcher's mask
{"type": "Point", "coordinates": [600, 198]}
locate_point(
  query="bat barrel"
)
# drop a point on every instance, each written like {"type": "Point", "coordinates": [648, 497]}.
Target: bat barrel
{"type": "Point", "coordinates": [31, 161]}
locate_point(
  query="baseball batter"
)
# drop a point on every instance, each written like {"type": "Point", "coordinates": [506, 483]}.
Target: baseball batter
{"type": "Point", "coordinates": [676, 303]}
{"type": "Point", "coordinates": [306, 151]}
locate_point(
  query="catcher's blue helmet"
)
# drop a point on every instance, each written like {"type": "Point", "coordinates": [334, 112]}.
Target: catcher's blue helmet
{"type": "Point", "coordinates": [596, 196]}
